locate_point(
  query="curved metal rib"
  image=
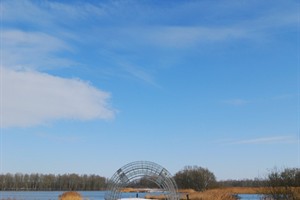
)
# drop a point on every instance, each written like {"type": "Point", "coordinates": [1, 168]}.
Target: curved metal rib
{"type": "Point", "coordinates": [139, 169]}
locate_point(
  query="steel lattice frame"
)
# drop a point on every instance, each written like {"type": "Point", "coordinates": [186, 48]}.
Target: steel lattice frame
{"type": "Point", "coordinates": [139, 169]}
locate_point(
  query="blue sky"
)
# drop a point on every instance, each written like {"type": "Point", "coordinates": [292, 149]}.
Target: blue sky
{"type": "Point", "coordinates": [89, 86]}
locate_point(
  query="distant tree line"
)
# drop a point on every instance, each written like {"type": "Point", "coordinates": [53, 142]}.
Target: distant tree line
{"type": "Point", "coordinates": [44, 182]}
{"type": "Point", "coordinates": [144, 182]}
{"type": "Point", "coordinates": [243, 183]}
{"type": "Point", "coordinates": [282, 184]}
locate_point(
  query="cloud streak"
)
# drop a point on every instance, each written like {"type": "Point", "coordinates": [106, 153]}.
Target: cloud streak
{"type": "Point", "coordinates": [33, 50]}
{"type": "Point", "coordinates": [267, 140]}
{"type": "Point", "coordinates": [186, 37]}
{"type": "Point", "coordinates": [32, 98]}
{"type": "Point", "coordinates": [160, 31]}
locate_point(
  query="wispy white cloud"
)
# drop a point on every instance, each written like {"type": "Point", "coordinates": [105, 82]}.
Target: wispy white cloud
{"type": "Point", "coordinates": [191, 36]}
{"type": "Point", "coordinates": [285, 96]}
{"type": "Point", "coordinates": [63, 139]}
{"type": "Point", "coordinates": [274, 19]}
{"type": "Point", "coordinates": [137, 34]}
{"type": "Point", "coordinates": [31, 98]}
{"type": "Point", "coordinates": [188, 36]}
{"type": "Point", "coordinates": [42, 47]}
{"type": "Point", "coordinates": [266, 140]}
{"type": "Point", "coordinates": [242, 102]}
{"type": "Point", "coordinates": [35, 50]}
{"type": "Point", "coordinates": [77, 11]}
{"type": "Point", "coordinates": [24, 12]}
{"type": "Point", "coordinates": [139, 73]}
{"type": "Point", "coordinates": [153, 31]}
{"type": "Point", "coordinates": [36, 40]}
{"type": "Point", "coordinates": [48, 14]}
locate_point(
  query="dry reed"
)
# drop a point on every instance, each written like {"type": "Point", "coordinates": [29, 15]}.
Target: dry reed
{"type": "Point", "coordinates": [213, 194]}
{"type": "Point", "coordinates": [70, 196]}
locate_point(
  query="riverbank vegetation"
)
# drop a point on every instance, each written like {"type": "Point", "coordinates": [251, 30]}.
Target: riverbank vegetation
{"type": "Point", "coordinates": [202, 184]}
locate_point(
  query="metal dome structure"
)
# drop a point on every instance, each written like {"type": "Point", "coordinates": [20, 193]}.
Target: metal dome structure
{"type": "Point", "coordinates": [142, 169]}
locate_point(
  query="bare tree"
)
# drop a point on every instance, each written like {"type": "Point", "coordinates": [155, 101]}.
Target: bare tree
{"type": "Point", "coordinates": [196, 178]}
{"type": "Point", "coordinates": [283, 184]}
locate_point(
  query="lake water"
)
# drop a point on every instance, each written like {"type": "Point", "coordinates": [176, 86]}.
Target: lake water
{"type": "Point", "coordinates": [53, 195]}
{"type": "Point", "coordinates": [90, 195]}
{"type": "Point", "coordinates": [250, 196]}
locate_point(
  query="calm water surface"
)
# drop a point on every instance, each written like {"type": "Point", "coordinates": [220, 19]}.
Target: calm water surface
{"type": "Point", "coordinates": [90, 195]}
{"type": "Point", "coordinates": [53, 195]}
{"type": "Point", "coordinates": [250, 196]}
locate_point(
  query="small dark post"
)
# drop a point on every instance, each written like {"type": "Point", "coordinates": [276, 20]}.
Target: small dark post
{"type": "Point", "coordinates": [137, 195]}
{"type": "Point", "coordinates": [187, 197]}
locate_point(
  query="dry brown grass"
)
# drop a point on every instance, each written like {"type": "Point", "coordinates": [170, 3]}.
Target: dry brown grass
{"type": "Point", "coordinates": [221, 193]}
{"type": "Point", "coordinates": [70, 196]}
{"type": "Point", "coordinates": [213, 194]}
{"type": "Point", "coordinates": [187, 191]}
{"type": "Point", "coordinates": [128, 190]}
{"type": "Point", "coordinates": [293, 191]}
{"type": "Point", "coordinates": [227, 193]}
{"type": "Point", "coordinates": [261, 190]}
{"type": "Point", "coordinates": [245, 190]}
